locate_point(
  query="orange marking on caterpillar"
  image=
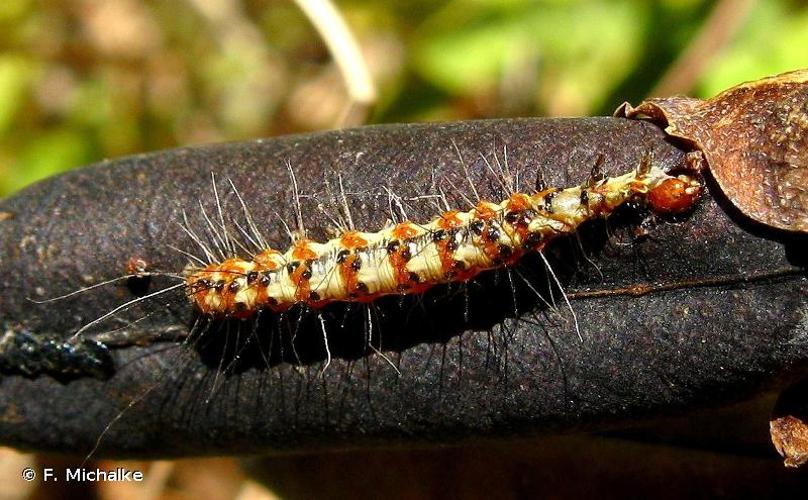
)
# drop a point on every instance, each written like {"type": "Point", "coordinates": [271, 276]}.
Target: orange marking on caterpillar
{"type": "Point", "coordinates": [450, 219]}
{"type": "Point", "coordinates": [518, 202]}
{"type": "Point", "coordinates": [485, 210]}
{"type": "Point", "coordinates": [404, 231]}
{"type": "Point", "coordinates": [300, 278]}
{"type": "Point", "coordinates": [352, 239]}
{"type": "Point", "coordinates": [136, 266]}
{"type": "Point", "coordinates": [445, 243]}
{"type": "Point", "coordinates": [398, 253]}
{"type": "Point", "coordinates": [302, 250]}
{"type": "Point", "coordinates": [446, 254]}
{"type": "Point", "coordinates": [349, 271]}
{"type": "Point", "coordinates": [268, 259]}
{"type": "Point", "coordinates": [674, 196]}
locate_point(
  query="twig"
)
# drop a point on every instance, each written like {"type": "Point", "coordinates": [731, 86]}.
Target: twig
{"type": "Point", "coordinates": [347, 55]}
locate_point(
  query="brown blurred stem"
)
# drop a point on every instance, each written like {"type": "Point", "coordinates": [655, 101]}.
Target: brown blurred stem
{"type": "Point", "coordinates": [348, 57]}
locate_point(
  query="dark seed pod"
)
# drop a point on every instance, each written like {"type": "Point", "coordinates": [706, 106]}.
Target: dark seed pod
{"type": "Point", "coordinates": [647, 312]}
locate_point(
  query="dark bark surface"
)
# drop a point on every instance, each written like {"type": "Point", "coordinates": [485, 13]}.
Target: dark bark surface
{"type": "Point", "coordinates": [703, 312]}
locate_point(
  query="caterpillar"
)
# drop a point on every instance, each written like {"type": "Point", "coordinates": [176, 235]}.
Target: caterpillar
{"type": "Point", "coordinates": [404, 258]}
{"type": "Point", "coordinates": [410, 258]}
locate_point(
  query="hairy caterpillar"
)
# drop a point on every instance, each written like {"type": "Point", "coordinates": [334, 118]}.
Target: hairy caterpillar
{"type": "Point", "coordinates": [470, 235]}
{"type": "Point", "coordinates": [410, 258]}
{"type": "Point", "coordinates": [404, 258]}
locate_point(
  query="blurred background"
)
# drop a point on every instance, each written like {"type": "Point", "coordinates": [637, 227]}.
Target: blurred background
{"type": "Point", "coordinates": [84, 80]}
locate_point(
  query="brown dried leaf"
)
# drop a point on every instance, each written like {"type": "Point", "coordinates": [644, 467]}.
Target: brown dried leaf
{"type": "Point", "coordinates": [755, 139]}
{"type": "Point", "coordinates": [790, 438]}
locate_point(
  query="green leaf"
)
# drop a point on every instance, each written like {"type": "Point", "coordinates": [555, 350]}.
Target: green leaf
{"type": "Point", "coordinates": [16, 75]}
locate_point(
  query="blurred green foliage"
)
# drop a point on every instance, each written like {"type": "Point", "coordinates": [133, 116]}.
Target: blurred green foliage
{"type": "Point", "coordinates": [83, 80]}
